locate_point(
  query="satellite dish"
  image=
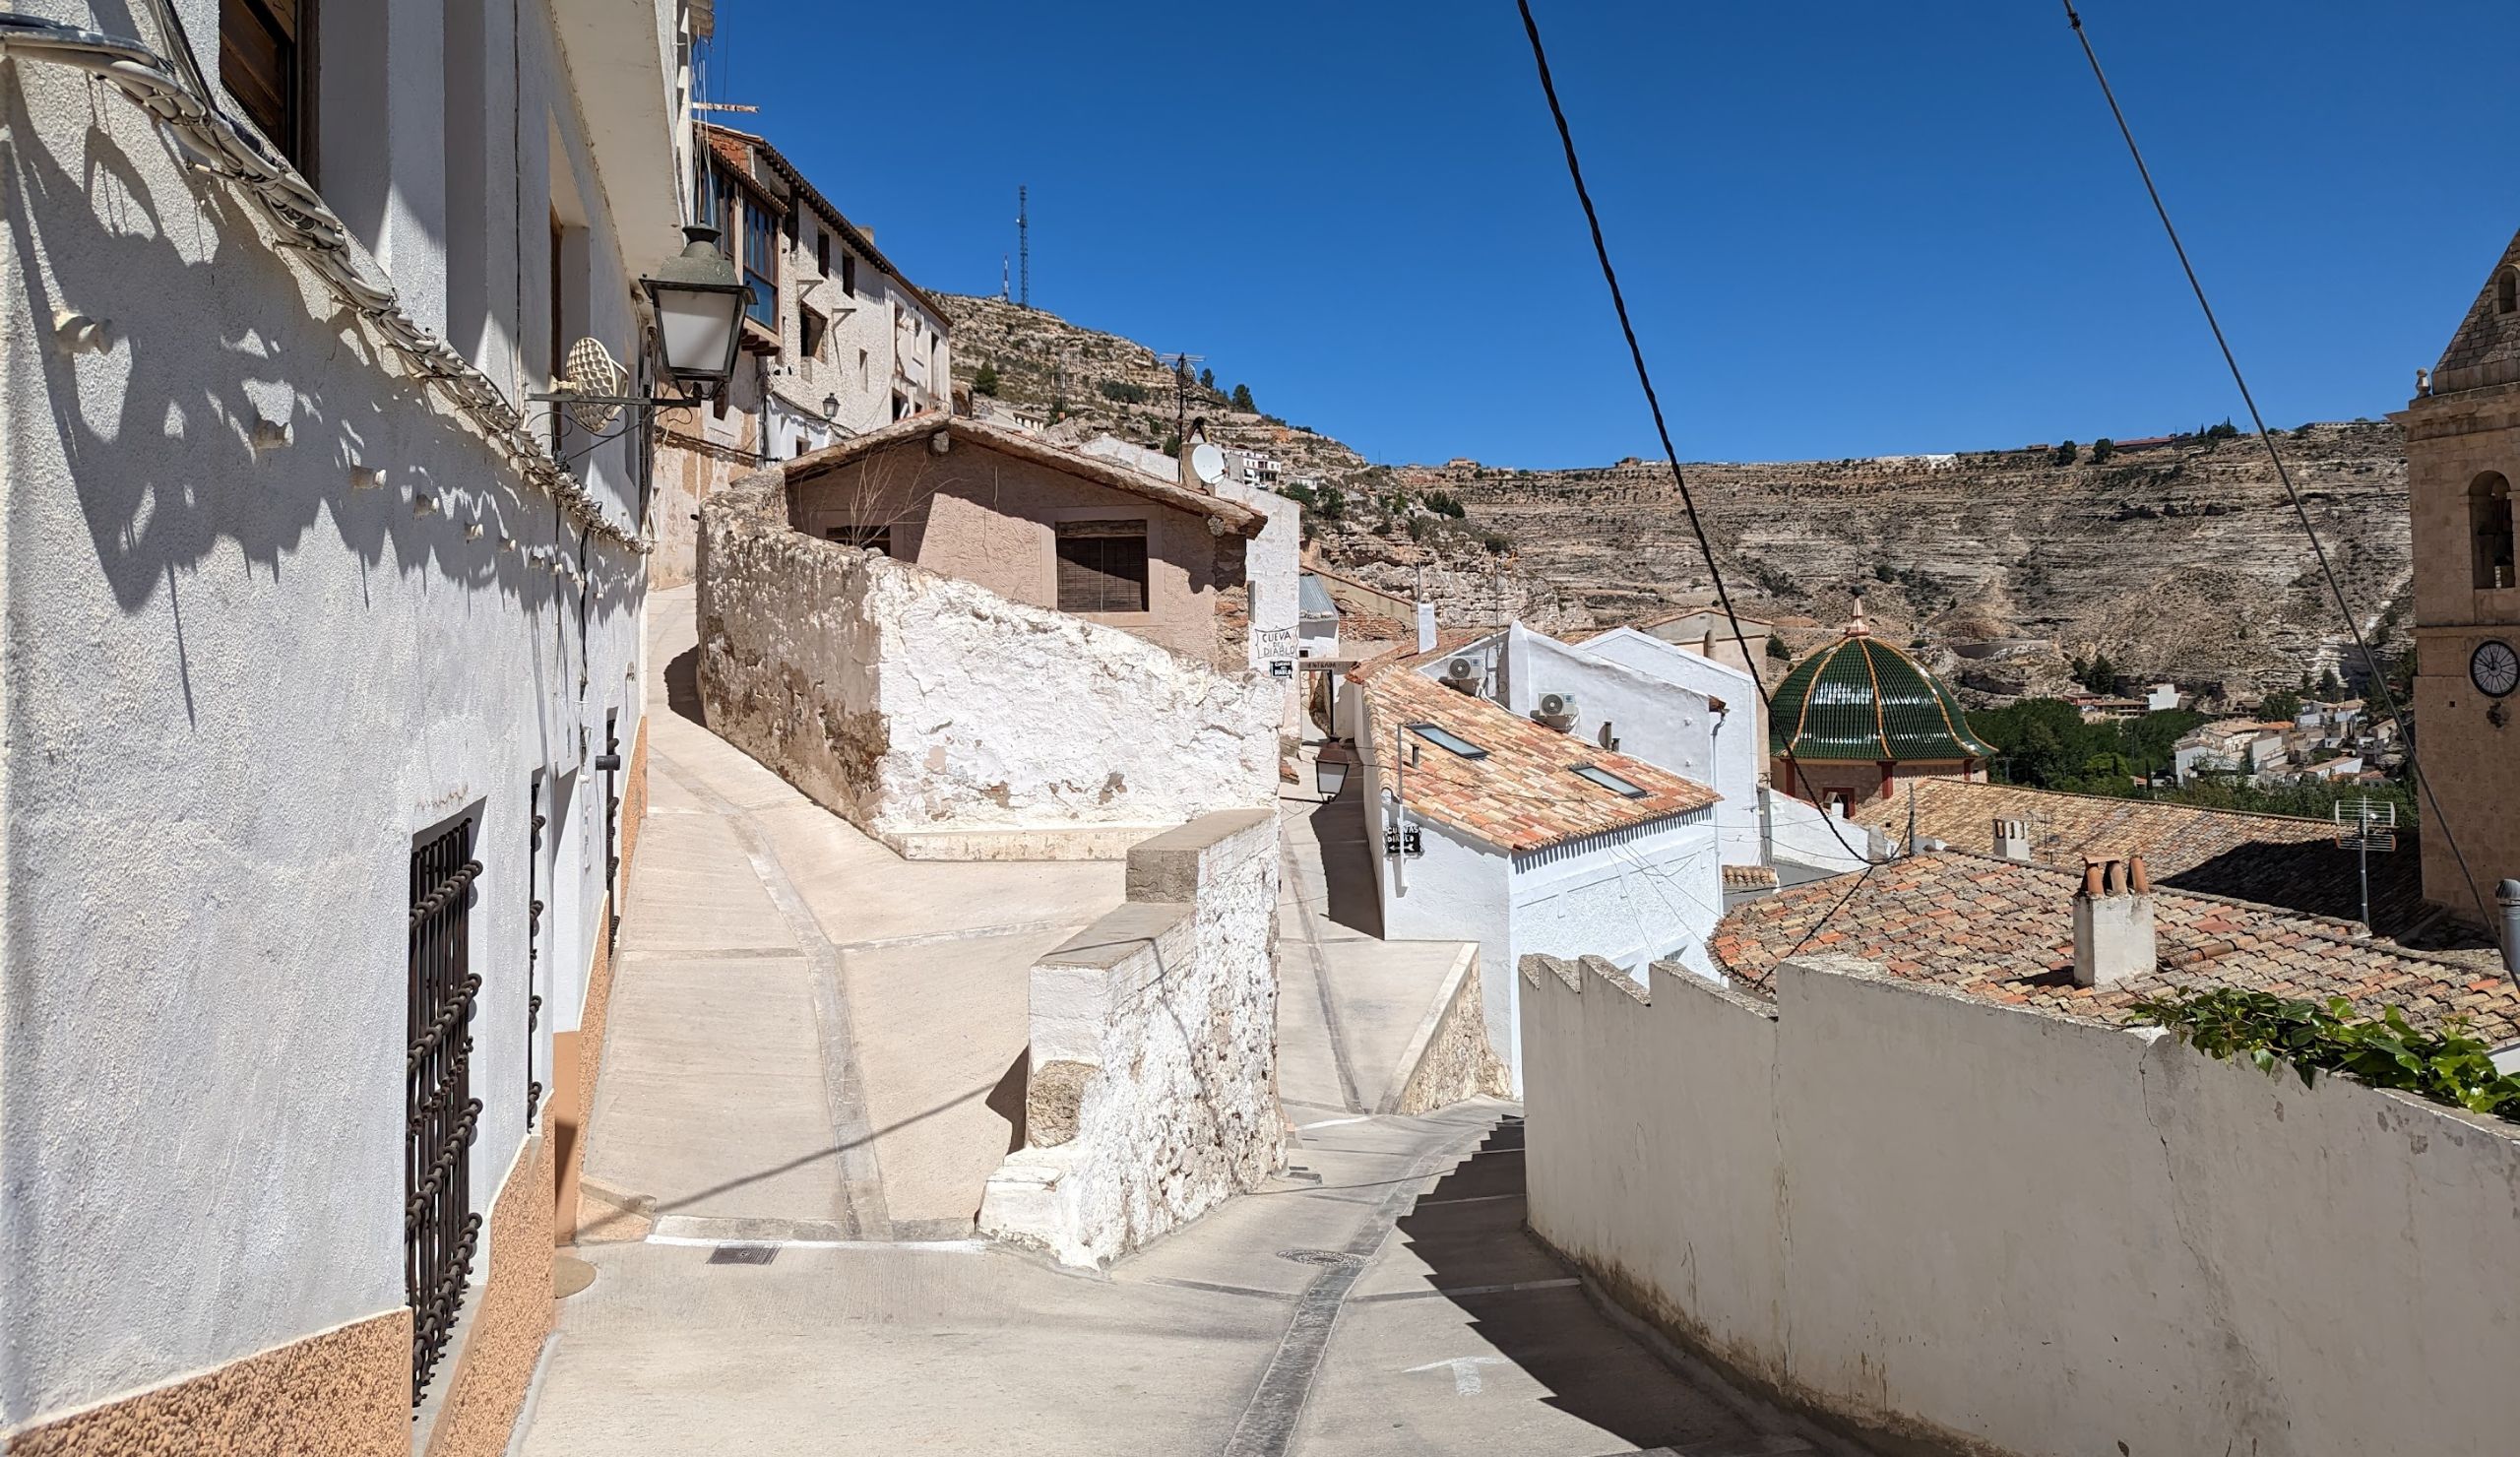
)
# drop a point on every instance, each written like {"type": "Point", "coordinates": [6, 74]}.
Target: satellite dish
{"type": "Point", "coordinates": [591, 371]}
{"type": "Point", "coordinates": [1207, 463]}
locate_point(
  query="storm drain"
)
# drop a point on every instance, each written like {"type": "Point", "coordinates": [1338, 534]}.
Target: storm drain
{"type": "Point", "coordinates": [1328, 1257]}
{"type": "Point", "coordinates": [743, 1254]}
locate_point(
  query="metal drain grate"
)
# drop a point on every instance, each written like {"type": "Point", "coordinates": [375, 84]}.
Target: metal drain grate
{"type": "Point", "coordinates": [743, 1254]}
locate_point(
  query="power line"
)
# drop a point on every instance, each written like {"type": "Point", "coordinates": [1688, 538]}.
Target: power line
{"type": "Point", "coordinates": [1645, 379]}
{"type": "Point", "coordinates": [2327, 568]}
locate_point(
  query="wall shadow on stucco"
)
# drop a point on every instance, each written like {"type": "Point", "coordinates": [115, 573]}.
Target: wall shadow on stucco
{"type": "Point", "coordinates": [158, 447]}
{"type": "Point", "coordinates": [1006, 1100]}
{"type": "Point", "coordinates": [1468, 1229]}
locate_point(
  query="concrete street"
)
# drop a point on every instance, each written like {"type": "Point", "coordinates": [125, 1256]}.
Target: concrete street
{"type": "Point", "coordinates": [807, 1073]}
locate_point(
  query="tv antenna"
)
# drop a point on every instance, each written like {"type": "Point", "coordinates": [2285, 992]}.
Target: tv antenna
{"type": "Point", "coordinates": [1024, 241]}
{"type": "Point", "coordinates": [2367, 825]}
{"type": "Point", "coordinates": [1180, 365]}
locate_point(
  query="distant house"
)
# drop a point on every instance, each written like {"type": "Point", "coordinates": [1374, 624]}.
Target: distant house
{"type": "Point", "coordinates": [837, 339]}
{"type": "Point", "coordinates": [1526, 837]}
{"type": "Point", "coordinates": [1318, 628]}
{"type": "Point", "coordinates": [1042, 524]}
{"type": "Point", "coordinates": [1708, 631]}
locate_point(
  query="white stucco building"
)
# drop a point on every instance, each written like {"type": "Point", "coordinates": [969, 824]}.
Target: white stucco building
{"type": "Point", "coordinates": [837, 339]}
{"type": "Point", "coordinates": [1525, 838]}
{"type": "Point", "coordinates": [321, 736]}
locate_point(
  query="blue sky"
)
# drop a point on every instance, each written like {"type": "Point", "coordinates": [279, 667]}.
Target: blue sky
{"type": "Point", "coordinates": [1845, 229]}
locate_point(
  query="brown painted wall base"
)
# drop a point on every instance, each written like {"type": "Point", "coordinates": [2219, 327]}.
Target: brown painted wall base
{"type": "Point", "coordinates": [511, 1315]}
{"type": "Point", "coordinates": [576, 1058]}
{"type": "Point", "coordinates": [346, 1392]}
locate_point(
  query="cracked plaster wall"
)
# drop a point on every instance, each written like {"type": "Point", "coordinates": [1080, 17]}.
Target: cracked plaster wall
{"type": "Point", "coordinates": [1982, 1230]}
{"type": "Point", "coordinates": [914, 703]}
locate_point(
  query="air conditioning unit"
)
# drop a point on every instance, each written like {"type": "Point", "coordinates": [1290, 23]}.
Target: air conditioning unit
{"type": "Point", "coordinates": [1556, 709]}
{"type": "Point", "coordinates": [1462, 673]}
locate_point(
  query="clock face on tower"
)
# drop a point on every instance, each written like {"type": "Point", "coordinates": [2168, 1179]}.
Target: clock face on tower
{"type": "Point", "coordinates": [2494, 668]}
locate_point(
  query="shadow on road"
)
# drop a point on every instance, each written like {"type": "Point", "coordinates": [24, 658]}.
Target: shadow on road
{"type": "Point", "coordinates": [1347, 860]}
{"type": "Point", "coordinates": [1469, 1230]}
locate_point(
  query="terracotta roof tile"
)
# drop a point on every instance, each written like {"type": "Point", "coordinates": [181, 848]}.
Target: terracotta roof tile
{"type": "Point", "coordinates": [2004, 931]}
{"type": "Point", "coordinates": [1524, 794]}
{"type": "Point", "coordinates": [2274, 860]}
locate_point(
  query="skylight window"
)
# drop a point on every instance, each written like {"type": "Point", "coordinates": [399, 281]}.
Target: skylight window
{"type": "Point", "coordinates": [1444, 739]}
{"type": "Point", "coordinates": [1608, 781]}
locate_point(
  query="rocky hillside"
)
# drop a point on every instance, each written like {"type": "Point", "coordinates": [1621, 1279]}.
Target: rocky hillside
{"type": "Point", "coordinates": [2179, 560]}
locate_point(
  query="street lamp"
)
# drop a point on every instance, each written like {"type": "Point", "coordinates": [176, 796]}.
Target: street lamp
{"type": "Point", "coordinates": [831, 406]}
{"type": "Point", "coordinates": [699, 301]}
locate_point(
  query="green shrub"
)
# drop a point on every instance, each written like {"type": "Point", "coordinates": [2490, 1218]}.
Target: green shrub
{"type": "Point", "coordinates": [1122, 389]}
{"type": "Point", "coordinates": [2385, 1051]}
{"type": "Point", "coordinates": [1242, 400]}
{"type": "Point", "coordinates": [2101, 449]}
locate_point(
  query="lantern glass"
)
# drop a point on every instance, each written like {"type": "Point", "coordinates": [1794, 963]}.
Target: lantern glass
{"type": "Point", "coordinates": [699, 304]}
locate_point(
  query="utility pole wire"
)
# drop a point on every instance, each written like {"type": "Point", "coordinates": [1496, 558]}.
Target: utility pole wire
{"type": "Point", "coordinates": [1679, 478]}
{"type": "Point", "coordinates": [2327, 568]}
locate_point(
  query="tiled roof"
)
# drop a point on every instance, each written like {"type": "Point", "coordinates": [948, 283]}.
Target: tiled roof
{"type": "Point", "coordinates": [1862, 699]}
{"type": "Point", "coordinates": [1524, 795]}
{"type": "Point", "coordinates": [2276, 859]}
{"type": "Point", "coordinates": [2004, 933]}
{"type": "Point", "coordinates": [1448, 641]}
{"type": "Point", "coordinates": [918, 430]}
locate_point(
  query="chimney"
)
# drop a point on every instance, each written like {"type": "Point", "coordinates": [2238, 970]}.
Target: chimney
{"type": "Point", "coordinates": [2012, 840]}
{"type": "Point", "coordinates": [1425, 627]}
{"type": "Point", "coordinates": [2114, 922]}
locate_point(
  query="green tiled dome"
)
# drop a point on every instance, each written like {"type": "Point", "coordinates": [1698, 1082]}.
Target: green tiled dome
{"type": "Point", "coordinates": [1862, 699]}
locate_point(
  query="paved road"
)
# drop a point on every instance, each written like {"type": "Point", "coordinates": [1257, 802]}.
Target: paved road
{"type": "Point", "coordinates": [775, 1022]}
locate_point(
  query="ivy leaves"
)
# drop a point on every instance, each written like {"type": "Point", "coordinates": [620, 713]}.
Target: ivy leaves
{"type": "Point", "coordinates": [2447, 1065]}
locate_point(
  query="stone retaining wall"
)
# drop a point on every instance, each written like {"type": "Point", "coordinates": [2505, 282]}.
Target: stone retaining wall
{"type": "Point", "coordinates": [1154, 1051]}
{"type": "Point", "coordinates": [941, 716]}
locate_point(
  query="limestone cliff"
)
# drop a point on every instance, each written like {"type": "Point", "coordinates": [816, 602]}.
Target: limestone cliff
{"type": "Point", "coordinates": [2179, 560]}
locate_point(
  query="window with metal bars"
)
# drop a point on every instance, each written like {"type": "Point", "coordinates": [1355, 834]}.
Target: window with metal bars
{"type": "Point", "coordinates": [1102, 566]}
{"type": "Point", "coordinates": [440, 1230]}
{"type": "Point", "coordinates": [533, 949]}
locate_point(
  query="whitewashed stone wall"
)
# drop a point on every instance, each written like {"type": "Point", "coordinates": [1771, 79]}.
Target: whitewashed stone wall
{"type": "Point", "coordinates": [949, 721]}
{"type": "Point", "coordinates": [1154, 1051]}
{"type": "Point", "coordinates": [1992, 1231]}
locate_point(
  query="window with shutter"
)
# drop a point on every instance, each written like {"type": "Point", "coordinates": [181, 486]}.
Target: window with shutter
{"type": "Point", "coordinates": [1102, 566]}
{"type": "Point", "coordinates": [262, 64]}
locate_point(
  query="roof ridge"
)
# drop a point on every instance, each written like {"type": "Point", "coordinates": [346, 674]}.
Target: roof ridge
{"type": "Point", "coordinates": [2297, 819]}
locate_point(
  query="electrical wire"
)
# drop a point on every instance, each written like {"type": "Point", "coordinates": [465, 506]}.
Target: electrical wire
{"type": "Point", "coordinates": [176, 95]}
{"type": "Point", "coordinates": [1663, 430]}
{"type": "Point", "coordinates": [2327, 568]}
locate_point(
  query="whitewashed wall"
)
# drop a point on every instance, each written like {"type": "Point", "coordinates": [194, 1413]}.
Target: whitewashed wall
{"type": "Point", "coordinates": [1153, 1053]}
{"type": "Point", "coordinates": [1733, 743]}
{"type": "Point", "coordinates": [235, 689]}
{"type": "Point", "coordinates": [1651, 892]}
{"type": "Point", "coordinates": [1804, 834]}
{"type": "Point", "coordinates": [1992, 1229]}
{"type": "Point", "coordinates": [920, 705]}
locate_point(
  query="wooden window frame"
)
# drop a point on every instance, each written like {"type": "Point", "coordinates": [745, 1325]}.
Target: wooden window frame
{"type": "Point", "coordinates": [276, 104]}
{"type": "Point", "coordinates": [1093, 561]}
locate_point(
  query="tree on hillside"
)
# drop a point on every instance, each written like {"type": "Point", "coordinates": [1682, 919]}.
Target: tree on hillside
{"type": "Point", "coordinates": [2330, 689]}
{"type": "Point", "coordinates": [986, 382]}
{"type": "Point", "coordinates": [1207, 379]}
{"type": "Point", "coordinates": [1777, 649]}
{"type": "Point", "coordinates": [2101, 449]}
{"type": "Point", "coordinates": [2281, 704]}
{"type": "Point", "coordinates": [2063, 455]}
{"type": "Point", "coordinates": [1242, 400]}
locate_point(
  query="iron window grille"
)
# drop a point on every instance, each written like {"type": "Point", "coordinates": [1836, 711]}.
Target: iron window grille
{"type": "Point", "coordinates": [440, 1231]}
